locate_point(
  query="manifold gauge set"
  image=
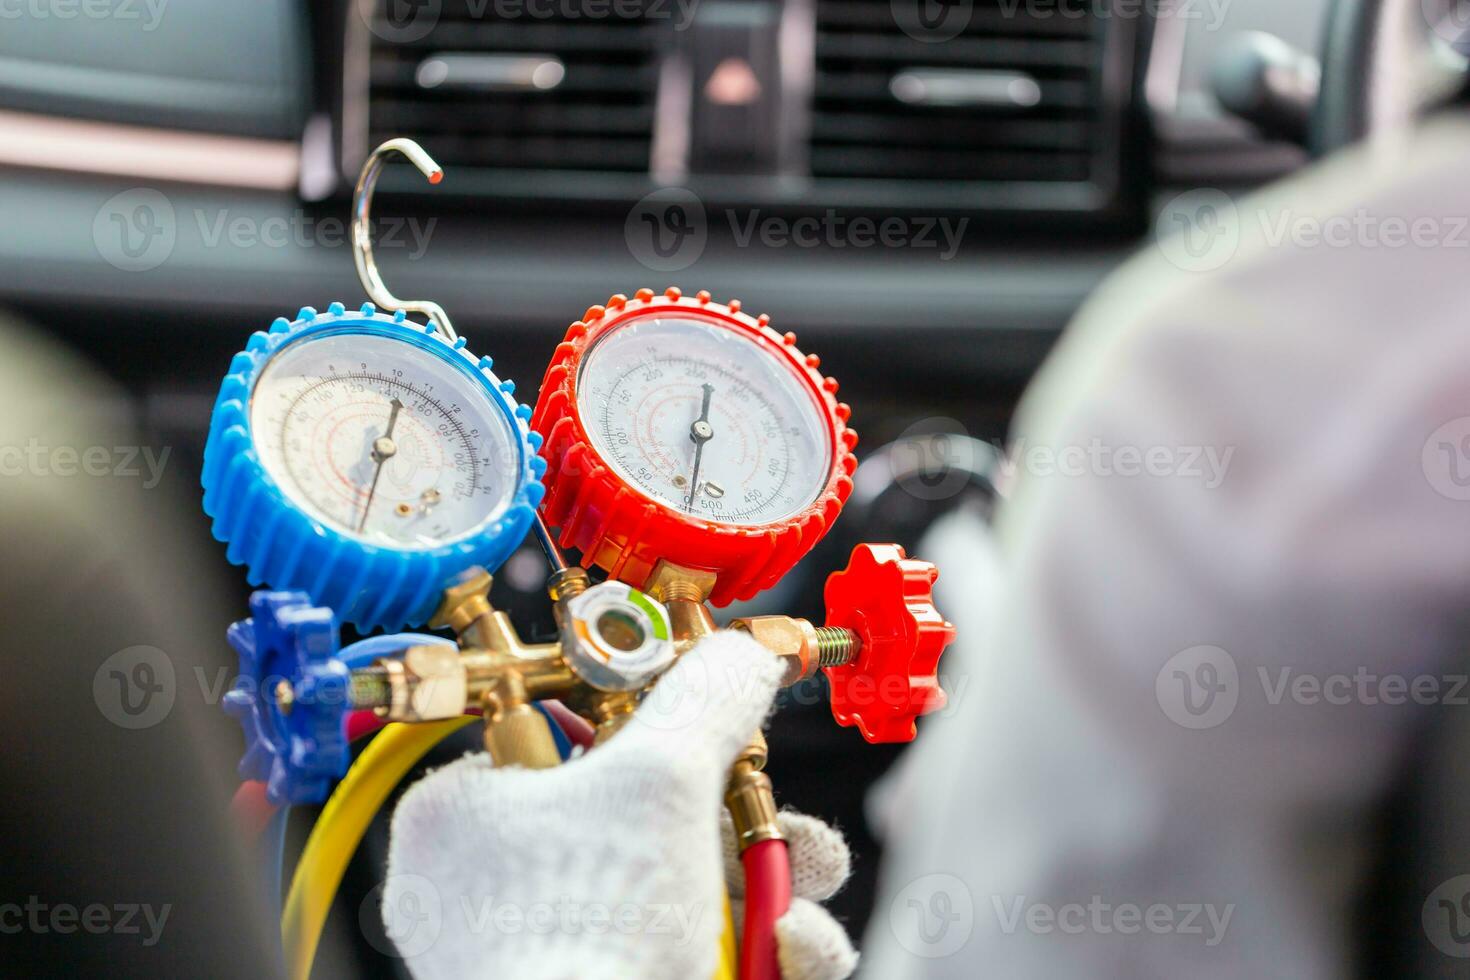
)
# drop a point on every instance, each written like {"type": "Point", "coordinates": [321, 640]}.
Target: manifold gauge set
{"type": "Point", "coordinates": [365, 468]}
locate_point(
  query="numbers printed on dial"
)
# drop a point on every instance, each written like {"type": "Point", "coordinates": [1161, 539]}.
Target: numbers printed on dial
{"type": "Point", "coordinates": [705, 420]}
{"type": "Point", "coordinates": [383, 440]}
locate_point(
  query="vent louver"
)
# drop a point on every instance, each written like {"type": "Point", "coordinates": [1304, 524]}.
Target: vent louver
{"type": "Point", "coordinates": [469, 90]}
{"type": "Point", "coordinates": [1019, 106]}
{"type": "Point", "coordinates": [1016, 95]}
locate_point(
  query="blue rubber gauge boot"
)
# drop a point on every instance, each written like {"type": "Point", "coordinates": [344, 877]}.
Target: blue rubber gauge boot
{"type": "Point", "coordinates": [367, 461]}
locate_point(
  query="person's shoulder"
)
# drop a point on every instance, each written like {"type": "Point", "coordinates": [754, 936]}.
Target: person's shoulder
{"type": "Point", "coordinates": [1379, 232]}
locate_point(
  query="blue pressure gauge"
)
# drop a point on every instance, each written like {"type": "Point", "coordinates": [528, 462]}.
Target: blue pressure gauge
{"type": "Point", "coordinates": [367, 461]}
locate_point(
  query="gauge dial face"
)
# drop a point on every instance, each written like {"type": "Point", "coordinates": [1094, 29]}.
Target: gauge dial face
{"type": "Point", "coordinates": [383, 439]}
{"type": "Point", "coordinates": [705, 420]}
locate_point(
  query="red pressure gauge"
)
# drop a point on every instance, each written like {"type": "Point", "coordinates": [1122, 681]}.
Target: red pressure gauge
{"type": "Point", "coordinates": [684, 429]}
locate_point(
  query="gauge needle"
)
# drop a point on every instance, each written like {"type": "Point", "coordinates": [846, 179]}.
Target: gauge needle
{"type": "Point", "coordinates": [384, 449]}
{"type": "Point", "coordinates": [700, 432]}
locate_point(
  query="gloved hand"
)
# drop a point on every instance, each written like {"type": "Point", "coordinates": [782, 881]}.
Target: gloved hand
{"type": "Point", "coordinates": [811, 945]}
{"type": "Point", "coordinates": [608, 865]}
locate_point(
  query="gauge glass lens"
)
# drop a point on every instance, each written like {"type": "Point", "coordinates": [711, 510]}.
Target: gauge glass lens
{"type": "Point", "coordinates": [705, 420]}
{"type": "Point", "coordinates": [383, 439]}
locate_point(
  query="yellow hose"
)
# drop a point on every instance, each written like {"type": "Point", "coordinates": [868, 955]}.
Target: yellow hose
{"type": "Point", "coordinates": [728, 964]}
{"type": "Point", "coordinates": [339, 830]}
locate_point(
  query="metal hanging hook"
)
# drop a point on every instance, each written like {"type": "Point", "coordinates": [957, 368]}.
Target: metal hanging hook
{"type": "Point", "coordinates": [362, 235]}
{"type": "Point", "coordinates": [372, 282]}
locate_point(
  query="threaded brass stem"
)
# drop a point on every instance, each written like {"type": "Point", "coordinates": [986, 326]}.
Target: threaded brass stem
{"type": "Point", "coordinates": [568, 583]}
{"type": "Point", "coordinates": [836, 646]}
{"type": "Point", "coordinates": [369, 688]}
{"type": "Point", "coordinates": [688, 591]}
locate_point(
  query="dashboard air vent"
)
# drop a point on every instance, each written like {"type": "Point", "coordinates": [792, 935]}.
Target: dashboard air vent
{"type": "Point", "coordinates": [518, 87]}
{"type": "Point", "coordinates": [997, 91]}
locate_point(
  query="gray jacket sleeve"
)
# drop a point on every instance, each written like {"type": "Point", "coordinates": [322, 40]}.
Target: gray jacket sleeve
{"type": "Point", "coordinates": [1234, 575]}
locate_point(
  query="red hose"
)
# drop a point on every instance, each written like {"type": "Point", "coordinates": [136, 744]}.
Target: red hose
{"type": "Point", "coordinates": [252, 811]}
{"type": "Point", "coordinates": [362, 723]}
{"type": "Point", "coordinates": [578, 729]}
{"type": "Point", "coordinates": [767, 897]}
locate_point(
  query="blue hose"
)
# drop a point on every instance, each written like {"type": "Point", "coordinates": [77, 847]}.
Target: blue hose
{"type": "Point", "coordinates": [364, 652]}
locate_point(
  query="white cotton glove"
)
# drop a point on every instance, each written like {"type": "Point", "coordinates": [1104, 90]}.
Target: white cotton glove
{"type": "Point", "coordinates": [606, 866]}
{"type": "Point", "coordinates": [811, 945]}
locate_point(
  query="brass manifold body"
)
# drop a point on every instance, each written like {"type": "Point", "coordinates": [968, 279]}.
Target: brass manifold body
{"type": "Point", "coordinates": [492, 669]}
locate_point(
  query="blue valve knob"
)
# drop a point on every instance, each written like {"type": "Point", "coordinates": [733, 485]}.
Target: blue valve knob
{"type": "Point", "coordinates": [298, 745]}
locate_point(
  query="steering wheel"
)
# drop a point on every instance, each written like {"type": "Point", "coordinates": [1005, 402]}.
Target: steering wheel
{"type": "Point", "coordinates": [1384, 63]}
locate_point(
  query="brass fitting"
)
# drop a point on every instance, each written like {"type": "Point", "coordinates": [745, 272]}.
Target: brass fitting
{"type": "Point", "coordinates": [541, 670]}
{"type": "Point", "coordinates": [669, 582]}
{"type": "Point", "coordinates": [611, 711]}
{"type": "Point", "coordinates": [804, 648]}
{"type": "Point", "coordinates": [466, 609]}
{"type": "Point", "coordinates": [516, 734]}
{"type": "Point", "coordinates": [683, 592]}
{"type": "Point", "coordinates": [793, 640]}
{"type": "Point", "coordinates": [440, 681]}
{"type": "Point", "coordinates": [493, 631]}
{"type": "Point", "coordinates": [464, 602]}
{"type": "Point", "coordinates": [429, 683]}
{"type": "Point", "coordinates": [750, 798]}
{"type": "Point", "coordinates": [506, 674]}
{"type": "Point", "coordinates": [568, 583]}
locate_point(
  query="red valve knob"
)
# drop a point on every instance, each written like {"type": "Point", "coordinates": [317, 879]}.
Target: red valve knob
{"type": "Point", "coordinates": [886, 599]}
